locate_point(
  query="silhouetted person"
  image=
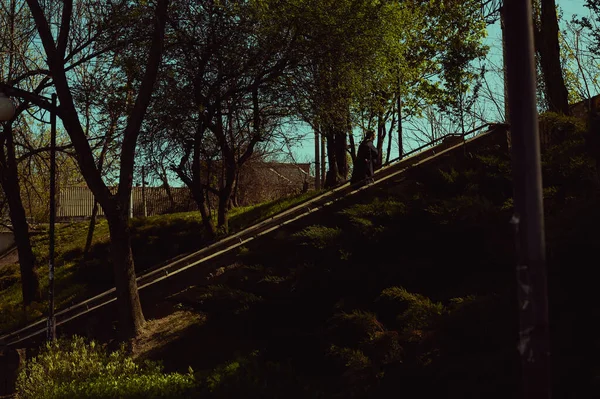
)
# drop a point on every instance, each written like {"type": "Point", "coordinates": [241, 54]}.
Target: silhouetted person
{"type": "Point", "coordinates": [366, 159]}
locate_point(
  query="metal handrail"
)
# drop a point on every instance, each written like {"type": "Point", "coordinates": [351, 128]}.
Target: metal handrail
{"type": "Point", "coordinates": [441, 138]}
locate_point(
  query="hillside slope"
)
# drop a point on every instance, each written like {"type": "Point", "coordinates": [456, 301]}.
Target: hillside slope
{"type": "Point", "coordinates": [405, 289]}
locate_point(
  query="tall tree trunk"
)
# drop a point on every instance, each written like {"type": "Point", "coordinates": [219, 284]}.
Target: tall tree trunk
{"type": "Point", "coordinates": [380, 136]}
{"type": "Point", "coordinates": [341, 146]}
{"type": "Point", "coordinates": [107, 141]}
{"type": "Point", "coordinates": [352, 147]}
{"type": "Point", "coordinates": [331, 176]}
{"type": "Point", "coordinates": [400, 133]}
{"type": "Point", "coordinates": [235, 194]}
{"type": "Point", "coordinates": [225, 195]}
{"type": "Point", "coordinates": [504, 74]}
{"type": "Point", "coordinates": [131, 317]}
{"type": "Point", "coordinates": [198, 192]}
{"type": "Point", "coordinates": [90, 233]}
{"type": "Point", "coordinates": [323, 159]}
{"type": "Point", "coordinates": [167, 188]}
{"type": "Point", "coordinates": [547, 45]}
{"type": "Point", "coordinates": [317, 161]}
{"type": "Point", "coordinates": [9, 177]}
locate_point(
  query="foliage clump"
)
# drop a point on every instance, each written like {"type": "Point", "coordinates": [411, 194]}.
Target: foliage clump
{"type": "Point", "coordinates": [361, 348]}
{"type": "Point", "coordinates": [319, 237]}
{"type": "Point", "coordinates": [252, 376]}
{"type": "Point", "coordinates": [412, 312]}
{"type": "Point", "coordinates": [377, 212]}
{"type": "Point", "coordinates": [77, 368]}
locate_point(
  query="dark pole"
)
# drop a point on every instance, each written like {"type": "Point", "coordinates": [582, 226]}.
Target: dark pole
{"type": "Point", "coordinates": [534, 342]}
{"type": "Point", "coordinates": [51, 319]}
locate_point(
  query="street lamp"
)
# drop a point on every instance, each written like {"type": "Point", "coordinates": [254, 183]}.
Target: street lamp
{"type": "Point", "coordinates": [7, 112]}
{"type": "Point", "coordinates": [7, 108]}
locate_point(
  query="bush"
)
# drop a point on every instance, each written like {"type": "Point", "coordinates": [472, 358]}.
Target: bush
{"type": "Point", "coordinates": [76, 368]}
{"type": "Point", "coordinates": [221, 300]}
{"type": "Point", "coordinates": [319, 237]}
{"type": "Point", "coordinates": [565, 161]}
{"type": "Point", "coordinates": [253, 376]}
{"type": "Point", "coordinates": [414, 312]}
{"type": "Point", "coordinates": [361, 350]}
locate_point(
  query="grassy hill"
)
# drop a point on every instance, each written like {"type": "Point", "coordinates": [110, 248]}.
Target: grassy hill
{"type": "Point", "coordinates": [407, 289]}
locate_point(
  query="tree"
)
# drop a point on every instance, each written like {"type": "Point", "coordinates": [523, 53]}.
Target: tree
{"type": "Point", "coordinates": [228, 60]}
{"type": "Point", "coordinates": [16, 37]}
{"type": "Point", "coordinates": [115, 206]}
{"type": "Point", "coordinates": [425, 61]}
{"type": "Point", "coordinates": [546, 38]}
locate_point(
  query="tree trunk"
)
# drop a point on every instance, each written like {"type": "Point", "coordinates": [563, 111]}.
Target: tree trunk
{"type": "Point", "coordinates": [9, 178]}
{"type": "Point", "coordinates": [195, 184]}
{"type": "Point", "coordinates": [235, 194]}
{"type": "Point", "coordinates": [504, 74]}
{"type": "Point", "coordinates": [131, 317]}
{"type": "Point", "coordinates": [380, 137]}
{"type": "Point", "coordinates": [400, 133]}
{"type": "Point", "coordinates": [30, 285]}
{"type": "Point", "coordinates": [317, 161]}
{"type": "Point", "coordinates": [341, 145]}
{"type": "Point", "coordinates": [352, 147]}
{"type": "Point", "coordinates": [225, 195]}
{"type": "Point", "coordinates": [548, 47]}
{"type": "Point", "coordinates": [331, 177]}
{"type": "Point", "coordinates": [389, 145]}
{"type": "Point", "coordinates": [323, 159]}
{"type": "Point", "coordinates": [90, 233]}
{"type": "Point", "coordinates": [167, 188]}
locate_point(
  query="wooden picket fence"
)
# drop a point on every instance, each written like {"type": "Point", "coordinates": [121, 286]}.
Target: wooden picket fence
{"type": "Point", "coordinates": [78, 202]}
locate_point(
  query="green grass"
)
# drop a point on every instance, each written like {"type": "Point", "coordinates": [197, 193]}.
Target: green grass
{"type": "Point", "coordinates": [155, 240]}
{"type": "Point", "coordinates": [241, 217]}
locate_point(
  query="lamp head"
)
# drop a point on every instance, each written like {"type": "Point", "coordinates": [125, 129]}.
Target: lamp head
{"type": "Point", "coordinates": [7, 108]}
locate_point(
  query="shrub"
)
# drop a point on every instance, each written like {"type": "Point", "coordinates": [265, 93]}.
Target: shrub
{"type": "Point", "coordinates": [474, 208]}
{"type": "Point", "coordinates": [413, 312]}
{"type": "Point", "coordinates": [350, 329]}
{"type": "Point", "coordinates": [361, 349]}
{"type": "Point", "coordinates": [319, 237]}
{"type": "Point", "coordinates": [221, 299]}
{"type": "Point", "coordinates": [376, 212]}
{"type": "Point", "coordinates": [76, 368]}
{"type": "Point", "coordinates": [565, 161]}
{"type": "Point", "coordinates": [252, 376]}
